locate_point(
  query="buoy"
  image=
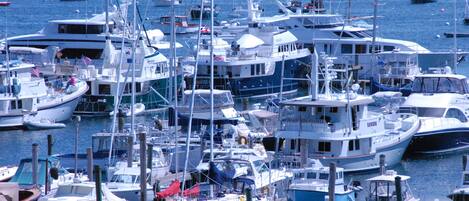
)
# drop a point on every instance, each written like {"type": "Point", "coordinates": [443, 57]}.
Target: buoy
{"type": "Point", "coordinates": [77, 11]}
{"type": "Point", "coordinates": [442, 9]}
{"type": "Point", "coordinates": [438, 36]}
{"type": "Point", "coordinates": [447, 23]}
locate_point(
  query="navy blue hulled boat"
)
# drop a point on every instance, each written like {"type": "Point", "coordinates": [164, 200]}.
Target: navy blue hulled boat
{"type": "Point", "coordinates": [441, 102]}
{"type": "Point", "coordinates": [252, 65]}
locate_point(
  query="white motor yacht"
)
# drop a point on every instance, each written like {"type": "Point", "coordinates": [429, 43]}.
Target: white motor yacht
{"type": "Point", "coordinates": [26, 97]}
{"type": "Point", "coordinates": [461, 192]}
{"type": "Point", "coordinates": [338, 127]}
{"type": "Point", "coordinates": [312, 183]}
{"type": "Point", "coordinates": [441, 102]}
{"type": "Point", "coordinates": [125, 183]}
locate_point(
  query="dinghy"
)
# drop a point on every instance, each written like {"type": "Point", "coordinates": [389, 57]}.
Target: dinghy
{"type": "Point", "coordinates": [42, 124]}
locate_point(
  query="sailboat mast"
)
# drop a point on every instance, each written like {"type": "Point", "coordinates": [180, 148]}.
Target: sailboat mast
{"type": "Point", "coordinates": [455, 42]}
{"type": "Point", "coordinates": [175, 85]}
{"type": "Point", "coordinates": [211, 79]}
{"type": "Point", "coordinates": [134, 43]}
{"type": "Point", "coordinates": [373, 42]}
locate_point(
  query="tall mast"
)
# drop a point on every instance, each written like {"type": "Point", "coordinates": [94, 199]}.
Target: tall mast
{"type": "Point", "coordinates": [134, 44]}
{"type": "Point", "coordinates": [373, 42]}
{"type": "Point", "coordinates": [175, 85]}
{"type": "Point", "coordinates": [211, 84]}
{"type": "Point", "coordinates": [455, 42]}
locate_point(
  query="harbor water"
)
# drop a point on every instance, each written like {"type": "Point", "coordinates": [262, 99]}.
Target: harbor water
{"type": "Point", "coordinates": [432, 177]}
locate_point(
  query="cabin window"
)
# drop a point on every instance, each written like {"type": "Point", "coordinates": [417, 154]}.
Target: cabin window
{"type": "Point", "coordinates": [252, 69]}
{"type": "Point", "coordinates": [319, 109]}
{"type": "Point", "coordinates": [377, 48]}
{"type": "Point", "coordinates": [311, 175]}
{"type": "Point", "coordinates": [333, 109]}
{"type": "Point", "coordinates": [360, 49]}
{"type": "Point", "coordinates": [292, 144]}
{"type": "Point", "coordinates": [457, 114]}
{"type": "Point", "coordinates": [14, 106]}
{"type": "Point", "coordinates": [343, 34]}
{"type": "Point", "coordinates": [324, 146]}
{"type": "Point", "coordinates": [347, 48]}
{"type": "Point", "coordinates": [388, 48]}
{"type": "Point", "coordinates": [81, 29]}
{"type": "Point", "coordinates": [354, 145]}
{"type": "Point", "coordinates": [302, 109]}
{"type": "Point", "coordinates": [78, 53]}
{"type": "Point", "coordinates": [323, 176]}
{"type": "Point", "coordinates": [357, 34]}
{"type": "Point", "coordinates": [466, 179]}
{"type": "Point", "coordinates": [104, 89]}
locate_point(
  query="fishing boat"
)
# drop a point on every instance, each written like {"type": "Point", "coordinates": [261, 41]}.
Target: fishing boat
{"type": "Point", "coordinates": [444, 122]}
{"type": "Point", "coordinates": [7, 172]}
{"type": "Point", "coordinates": [312, 183]}
{"type": "Point", "coordinates": [181, 24]}
{"type": "Point", "coordinates": [80, 191]}
{"type": "Point", "coordinates": [125, 183]}
{"type": "Point", "coordinates": [384, 187]}
{"type": "Point", "coordinates": [461, 192]}
{"type": "Point", "coordinates": [338, 127]}
{"type": "Point", "coordinates": [257, 150]}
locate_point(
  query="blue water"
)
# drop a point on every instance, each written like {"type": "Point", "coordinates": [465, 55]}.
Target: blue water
{"type": "Point", "coordinates": [432, 178]}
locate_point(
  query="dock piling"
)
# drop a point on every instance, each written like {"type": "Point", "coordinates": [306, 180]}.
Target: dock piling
{"type": "Point", "coordinates": [130, 148]}
{"type": "Point", "coordinates": [331, 187]}
{"type": "Point", "coordinates": [97, 175]}
{"type": "Point", "coordinates": [35, 163]}
{"type": "Point", "coordinates": [143, 167]}
{"type": "Point", "coordinates": [382, 164]}
{"type": "Point", "coordinates": [397, 182]}
{"type": "Point", "coordinates": [89, 157]}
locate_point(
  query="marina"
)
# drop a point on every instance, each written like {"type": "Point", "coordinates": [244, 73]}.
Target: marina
{"type": "Point", "coordinates": [234, 100]}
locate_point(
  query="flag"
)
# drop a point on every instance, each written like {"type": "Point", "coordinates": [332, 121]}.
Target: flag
{"type": "Point", "coordinates": [218, 58]}
{"type": "Point", "coordinates": [35, 71]}
{"type": "Point", "coordinates": [86, 60]}
{"type": "Point", "coordinates": [4, 3]}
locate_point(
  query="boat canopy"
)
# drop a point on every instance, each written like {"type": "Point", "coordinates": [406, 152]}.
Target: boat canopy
{"type": "Point", "coordinates": [249, 41]}
{"type": "Point", "coordinates": [440, 84]}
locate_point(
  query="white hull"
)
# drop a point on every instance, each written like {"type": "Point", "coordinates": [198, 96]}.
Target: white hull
{"type": "Point", "coordinates": [166, 2]}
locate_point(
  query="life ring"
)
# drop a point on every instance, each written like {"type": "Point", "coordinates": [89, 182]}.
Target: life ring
{"type": "Point", "coordinates": [242, 140]}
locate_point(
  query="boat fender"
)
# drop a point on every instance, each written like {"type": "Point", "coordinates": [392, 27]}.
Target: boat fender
{"type": "Point", "coordinates": [242, 140]}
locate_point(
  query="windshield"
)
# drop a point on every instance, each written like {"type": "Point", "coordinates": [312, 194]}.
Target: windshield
{"type": "Point", "coordinates": [77, 191]}
{"type": "Point", "coordinates": [123, 178]}
{"type": "Point", "coordinates": [424, 111]}
{"type": "Point", "coordinates": [438, 85]}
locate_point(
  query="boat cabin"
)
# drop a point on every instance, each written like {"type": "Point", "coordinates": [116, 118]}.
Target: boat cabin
{"type": "Point", "coordinates": [128, 176]}
{"type": "Point", "coordinates": [383, 187]}
{"type": "Point", "coordinates": [179, 20]}
{"type": "Point", "coordinates": [325, 127]}
{"type": "Point", "coordinates": [101, 143]}
{"type": "Point", "coordinates": [316, 174]}
{"type": "Point", "coordinates": [78, 26]}
{"type": "Point", "coordinates": [440, 83]}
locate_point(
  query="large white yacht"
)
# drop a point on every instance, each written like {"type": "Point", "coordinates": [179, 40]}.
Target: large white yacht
{"type": "Point", "coordinates": [84, 47]}
{"type": "Point", "coordinates": [352, 44]}
{"type": "Point", "coordinates": [441, 102]}
{"type": "Point", "coordinates": [338, 127]}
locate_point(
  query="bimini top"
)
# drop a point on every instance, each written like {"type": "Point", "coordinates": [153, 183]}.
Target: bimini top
{"type": "Point", "coordinates": [335, 100]}
{"type": "Point", "coordinates": [249, 41]}
{"type": "Point", "coordinates": [389, 176]}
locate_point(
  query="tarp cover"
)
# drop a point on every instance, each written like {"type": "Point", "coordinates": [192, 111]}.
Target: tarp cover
{"type": "Point", "coordinates": [173, 189]}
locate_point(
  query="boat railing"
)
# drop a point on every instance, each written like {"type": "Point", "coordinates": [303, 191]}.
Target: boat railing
{"type": "Point", "coordinates": [319, 126]}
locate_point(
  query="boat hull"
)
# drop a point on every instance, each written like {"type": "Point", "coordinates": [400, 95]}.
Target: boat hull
{"type": "Point", "coordinates": [300, 195]}
{"type": "Point", "coordinates": [57, 113]}
{"type": "Point", "coordinates": [103, 105]}
{"type": "Point", "coordinates": [440, 141]}
{"type": "Point", "coordinates": [393, 155]}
